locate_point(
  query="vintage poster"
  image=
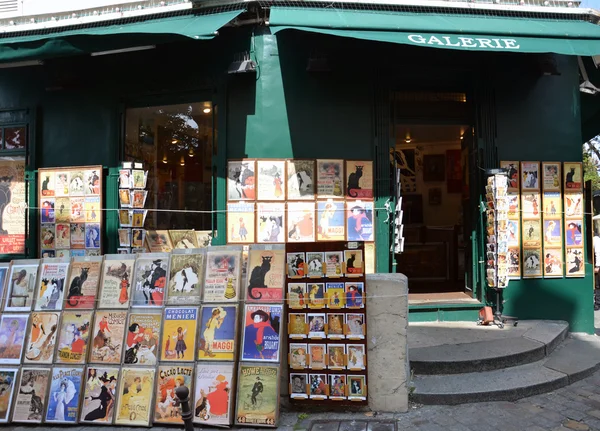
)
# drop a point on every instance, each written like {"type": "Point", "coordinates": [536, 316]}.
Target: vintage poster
{"type": "Point", "coordinates": [204, 237]}
{"type": "Point", "coordinates": [573, 176]}
{"type": "Point", "coordinates": [530, 175]}
{"type": "Point", "coordinates": [513, 236]}
{"type": "Point", "coordinates": [92, 209]}
{"type": "Point", "coordinates": [573, 233]}
{"type": "Point", "coordinates": [76, 183]}
{"type": "Point", "coordinates": [125, 218]}
{"type": "Point", "coordinates": [61, 183]}
{"type": "Point", "coordinates": [150, 280]}
{"type": "Point", "coordinates": [32, 396]}
{"type": "Point", "coordinates": [47, 236]}
{"type": "Point", "coordinates": [574, 205]}
{"type": "Point", "coordinates": [297, 295]}
{"type": "Point", "coordinates": [574, 262]}
{"type": "Point", "coordinates": [337, 384]}
{"type": "Point", "coordinates": [8, 381]}
{"type": "Point", "coordinates": [77, 235]}
{"type": "Point", "coordinates": [331, 222]}
{"type": "Point", "coordinates": [241, 179]}
{"type": "Point", "coordinates": [551, 176]}
{"type": "Point", "coordinates": [300, 179]}
{"type": "Point", "coordinates": [51, 286]}
{"type": "Point", "coordinates": [77, 210]}
{"type": "Point", "coordinates": [125, 198]}
{"type": "Point", "coordinates": [317, 356]}
{"type": "Point", "coordinates": [514, 205]}
{"type": "Point", "coordinates": [3, 276]}
{"type": "Point", "coordinates": [319, 389]}
{"type": "Point", "coordinates": [74, 336]}
{"type": "Point", "coordinates": [553, 262]}
{"type": "Point", "coordinates": [13, 203]}
{"type": "Point", "coordinates": [107, 336]}
{"type": "Point", "coordinates": [99, 395]}
{"type": "Point", "coordinates": [552, 233]}
{"type": "Point", "coordinates": [359, 221]}
{"type": "Point", "coordinates": [184, 281]}
{"type": "Point", "coordinates": [354, 263]}
{"type": "Point", "coordinates": [271, 222]}
{"type": "Point", "coordinates": [12, 337]}
{"type": "Point", "coordinates": [300, 222]}
{"type": "Point", "coordinates": [266, 269]}
{"type": "Point", "coordinates": [142, 338]}
{"type": "Point", "coordinates": [532, 263]}
{"type": "Point", "coordinates": [552, 205]}
{"type": "Point", "coordinates": [297, 356]}
{"type": "Point", "coordinates": [514, 259]}
{"type": "Point", "coordinates": [166, 405]}
{"type": "Point", "coordinates": [262, 332]}
{"type": "Point", "coordinates": [222, 280]}
{"type": "Point", "coordinates": [355, 295]}
{"type": "Point", "coordinates": [335, 325]}
{"type": "Point", "coordinates": [357, 356]}
{"type": "Point", "coordinates": [336, 297]}
{"type": "Point", "coordinates": [271, 180]}
{"type": "Point", "coordinates": [240, 223]}
{"type": "Point", "coordinates": [125, 180]}
{"type": "Point", "coordinates": [47, 214]}
{"type": "Point", "coordinates": [135, 395]}
{"type": "Point", "coordinates": [139, 179]}
{"type": "Point", "coordinates": [314, 264]}
{"type": "Point", "coordinates": [330, 178]}
{"type": "Point", "coordinates": [316, 325]}
{"type": "Point", "coordinates": [21, 286]}
{"type": "Point", "coordinates": [295, 264]}
{"type": "Point", "coordinates": [531, 205]}
{"type": "Point", "coordinates": [298, 382]}
{"type": "Point", "coordinates": [213, 400]}
{"type": "Point", "coordinates": [532, 233]}
{"type": "Point", "coordinates": [333, 263]}
{"type": "Point", "coordinates": [297, 326]}
{"type": "Point", "coordinates": [63, 236]}
{"type": "Point", "coordinates": [92, 235]}
{"type": "Point", "coordinates": [83, 284]}
{"type": "Point", "coordinates": [355, 326]}
{"type": "Point", "coordinates": [138, 198]}
{"type": "Point", "coordinates": [258, 395]}
{"type": "Point", "coordinates": [182, 239]}
{"type": "Point", "coordinates": [41, 340]}
{"type": "Point", "coordinates": [336, 356]}
{"type": "Point", "coordinates": [159, 241]}
{"type": "Point", "coordinates": [359, 179]}
{"type": "Point", "coordinates": [179, 334]}
{"type": "Point", "coordinates": [64, 395]}
{"type": "Point", "coordinates": [357, 387]}
{"type": "Point", "coordinates": [115, 286]}
{"type": "Point", "coordinates": [217, 337]}
{"type": "Point", "coordinates": [47, 183]}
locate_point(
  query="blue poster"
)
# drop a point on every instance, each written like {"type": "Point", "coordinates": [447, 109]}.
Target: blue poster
{"type": "Point", "coordinates": [92, 235]}
{"type": "Point", "coordinates": [63, 399]}
{"type": "Point", "coordinates": [359, 220]}
{"type": "Point", "coordinates": [573, 232]}
{"type": "Point", "coordinates": [261, 333]}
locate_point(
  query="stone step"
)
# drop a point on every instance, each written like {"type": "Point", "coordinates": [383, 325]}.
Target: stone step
{"type": "Point", "coordinates": [534, 345]}
{"type": "Point", "coordinates": [576, 358]}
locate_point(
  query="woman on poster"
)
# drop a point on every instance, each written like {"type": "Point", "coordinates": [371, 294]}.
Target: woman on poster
{"type": "Point", "coordinates": [63, 397]}
{"type": "Point", "coordinates": [214, 322]}
{"type": "Point", "coordinates": [106, 399]}
{"type": "Point", "coordinates": [357, 221]}
{"type": "Point", "coordinates": [215, 402]}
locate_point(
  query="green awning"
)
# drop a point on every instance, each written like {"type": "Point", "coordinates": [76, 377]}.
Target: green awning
{"type": "Point", "coordinates": [472, 32]}
{"type": "Point", "coordinates": [100, 38]}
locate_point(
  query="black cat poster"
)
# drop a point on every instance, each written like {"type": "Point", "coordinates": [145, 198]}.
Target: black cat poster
{"type": "Point", "coordinates": [359, 179]}
{"type": "Point", "coordinates": [82, 289]}
{"type": "Point", "coordinates": [266, 274]}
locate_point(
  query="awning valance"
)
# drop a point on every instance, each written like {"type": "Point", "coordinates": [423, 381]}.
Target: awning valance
{"type": "Point", "coordinates": [98, 38]}
{"type": "Point", "coordinates": [472, 32]}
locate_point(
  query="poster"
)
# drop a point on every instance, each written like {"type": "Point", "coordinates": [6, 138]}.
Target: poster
{"type": "Point", "coordinates": [3, 283]}
{"type": "Point", "coordinates": [337, 384]}
{"type": "Point", "coordinates": [297, 355]}
{"type": "Point", "coordinates": [532, 233]}
{"type": "Point", "coordinates": [553, 262]}
{"type": "Point", "coordinates": [47, 214]}
{"type": "Point", "coordinates": [266, 269]}
{"type": "Point", "coordinates": [134, 401]}
{"type": "Point", "coordinates": [31, 399]}
{"type": "Point", "coordinates": [551, 176]}
{"type": "Point", "coordinates": [297, 295]}
{"type": "Point", "coordinates": [514, 259]}
{"type": "Point", "coordinates": [314, 264]}
{"type": "Point", "coordinates": [257, 395]}
{"type": "Point", "coordinates": [99, 395]}
{"type": "Point", "coordinates": [217, 333]}
{"type": "Point", "coordinates": [573, 176]}
{"type": "Point", "coordinates": [213, 400]}
{"type": "Point", "coordinates": [77, 235]}
{"type": "Point", "coordinates": [92, 235]}
{"type": "Point", "coordinates": [179, 334]}
{"type": "Point", "coordinates": [531, 205]}
{"type": "Point", "coordinates": [574, 233]}
{"type": "Point", "coordinates": [166, 404]}
{"type": "Point", "coordinates": [262, 332]}
{"type": "Point", "coordinates": [8, 381]}
{"type": "Point", "coordinates": [83, 284]}
{"type": "Point", "coordinates": [159, 241]}
{"type": "Point", "coordinates": [13, 203]}
{"type": "Point", "coordinates": [575, 262]}
{"type": "Point", "coordinates": [330, 176]}
{"type": "Point", "coordinates": [241, 179]}
{"type": "Point", "coordinates": [370, 258]}
{"type": "Point", "coordinates": [41, 338]}
{"type": "Point", "coordinates": [532, 263]}
{"type": "Point", "coordinates": [142, 338]}
{"type": "Point", "coordinates": [298, 382]}
{"type": "Point", "coordinates": [63, 236]}
{"type": "Point", "coordinates": [12, 337]}
{"type": "Point", "coordinates": [336, 295]}
{"type": "Point", "coordinates": [271, 180]}
{"type": "Point", "coordinates": [552, 233]}
{"type": "Point", "coordinates": [359, 179]}
{"type": "Point", "coordinates": [270, 222]}
{"type": "Point", "coordinates": [300, 222]}
{"type": "Point", "coordinates": [300, 179]}
{"type": "Point", "coordinates": [184, 281]}
{"type": "Point", "coordinates": [92, 209]}
{"type": "Point", "coordinates": [64, 394]}
{"type": "Point", "coordinates": [512, 232]}
{"type": "Point", "coordinates": [335, 325]}
{"type": "Point", "coordinates": [552, 205]}
{"type": "Point", "coordinates": [574, 205]}
{"type": "Point", "coordinates": [183, 239]}
{"type": "Point", "coordinates": [318, 389]}
{"type": "Point", "coordinates": [47, 236]}
{"type": "Point", "coordinates": [240, 223]}
{"type": "Point", "coordinates": [357, 387]}
{"type": "Point", "coordinates": [74, 336]}
{"type": "Point", "coordinates": [331, 221]}
{"type": "Point", "coordinates": [204, 237]}
{"type": "Point", "coordinates": [107, 336]}
{"type": "Point", "coordinates": [150, 280]}
{"type": "Point", "coordinates": [222, 280]}
{"type": "Point", "coordinates": [530, 175]}
{"type": "Point", "coordinates": [62, 210]}
{"type": "Point", "coordinates": [359, 221]}
{"type": "Point", "coordinates": [514, 205]}
{"type": "Point", "coordinates": [115, 287]}
{"type": "Point", "coordinates": [51, 286]}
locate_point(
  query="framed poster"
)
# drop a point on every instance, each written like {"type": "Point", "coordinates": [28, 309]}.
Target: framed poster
{"type": "Point", "coordinates": [204, 237]}
{"type": "Point", "coordinates": [51, 284]}
{"type": "Point", "coordinates": [359, 221]}
{"type": "Point", "coordinates": [551, 176]}
{"type": "Point", "coordinates": [13, 203]}
{"type": "Point", "coordinates": [41, 337]}
{"type": "Point", "coordinates": [21, 285]}
{"type": "Point", "coordinates": [135, 396]}
{"type": "Point", "coordinates": [99, 395]}
{"type": "Point", "coordinates": [170, 377]}
{"type": "Point", "coordinates": [552, 233]}
{"type": "Point", "coordinates": [298, 385]}
{"type": "Point", "coordinates": [270, 180]}
{"type": "Point", "coordinates": [74, 336]}
{"type": "Point", "coordinates": [241, 222]}
{"type": "Point", "coordinates": [186, 267]}
{"type": "Point", "coordinates": [115, 283]}
{"type": "Point", "coordinates": [257, 395]}
{"type": "Point", "coordinates": [330, 176]}
{"type": "Point", "coordinates": [213, 400]}
{"type": "Point", "coordinates": [13, 328]}
{"type": "Point", "coordinates": [143, 338]}
{"type": "Point", "coordinates": [359, 179]}
{"type": "Point", "coordinates": [532, 263]}
{"type": "Point", "coordinates": [575, 262]}
{"type": "Point", "coordinates": [434, 167]}
{"type": "Point", "coordinates": [266, 269]}
{"type": "Point", "coordinates": [331, 221]}
{"type": "Point", "coordinates": [218, 333]}
{"type": "Point", "coordinates": [552, 205]}
{"type": "Point", "coordinates": [514, 261]}
{"type": "Point", "coordinates": [183, 239]}
{"type": "Point", "coordinates": [531, 205]}
{"type": "Point", "coordinates": [262, 329]}
{"type": "Point", "coordinates": [159, 241]}
{"type": "Point", "coordinates": [179, 334]}
{"type": "Point", "coordinates": [223, 274]}
{"type": "Point", "coordinates": [532, 233]}
{"type": "Point", "coordinates": [107, 336]}
{"type": "Point", "coordinates": [270, 220]}
{"type": "Point", "coordinates": [8, 378]}
{"type": "Point", "coordinates": [574, 205]}
{"type": "Point", "coordinates": [530, 176]}
{"type": "Point", "coordinates": [553, 262]}
{"type": "Point", "coordinates": [32, 397]}
{"type": "Point", "coordinates": [241, 180]}
{"type": "Point", "coordinates": [574, 233]}
{"type": "Point", "coordinates": [573, 176]}
{"type": "Point", "coordinates": [150, 280]}
{"type": "Point", "coordinates": [64, 395]}
{"type": "Point", "coordinates": [514, 178]}
{"type": "Point", "coordinates": [300, 222]}
{"type": "Point", "coordinates": [300, 179]}
{"type": "Point", "coordinates": [83, 282]}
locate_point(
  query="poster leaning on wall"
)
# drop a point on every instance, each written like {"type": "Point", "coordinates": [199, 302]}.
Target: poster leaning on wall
{"type": "Point", "coordinates": [99, 395]}
{"type": "Point", "coordinates": [214, 388]}
{"type": "Point", "coordinates": [32, 395]}
{"type": "Point", "coordinates": [257, 395]}
{"type": "Point", "coordinates": [115, 283]}
{"type": "Point", "coordinates": [135, 396]}
{"type": "Point", "coordinates": [13, 203]}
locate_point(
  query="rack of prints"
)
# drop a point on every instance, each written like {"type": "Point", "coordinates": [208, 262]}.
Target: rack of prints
{"type": "Point", "coordinates": [496, 230]}
{"type": "Point", "coordinates": [132, 215]}
{"type": "Point", "coordinates": [70, 211]}
{"type": "Point", "coordinates": [513, 223]}
{"type": "Point", "coordinates": [326, 315]}
{"type": "Point", "coordinates": [573, 204]}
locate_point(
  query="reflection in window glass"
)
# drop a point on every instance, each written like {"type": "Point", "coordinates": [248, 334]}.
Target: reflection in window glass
{"type": "Point", "coordinates": [175, 144]}
{"type": "Point", "coordinates": [15, 138]}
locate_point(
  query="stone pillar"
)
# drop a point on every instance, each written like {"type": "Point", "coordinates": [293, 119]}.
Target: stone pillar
{"type": "Point", "coordinates": [387, 351]}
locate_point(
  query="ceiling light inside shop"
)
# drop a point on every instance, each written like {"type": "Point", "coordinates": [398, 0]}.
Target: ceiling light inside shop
{"type": "Point", "coordinates": [191, 152]}
{"type": "Point", "coordinates": [182, 162]}
{"type": "Point", "coordinates": [206, 110]}
{"type": "Point", "coordinates": [174, 141]}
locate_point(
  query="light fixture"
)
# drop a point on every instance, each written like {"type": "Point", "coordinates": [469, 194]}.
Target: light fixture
{"type": "Point", "coordinates": [586, 86]}
{"type": "Point", "coordinates": [164, 159]}
{"type": "Point", "coordinates": [462, 136]}
{"type": "Point", "coordinates": [206, 110]}
{"type": "Point", "coordinates": [242, 64]}
{"type": "Point", "coordinates": [174, 141]}
{"type": "Point", "coordinates": [191, 152]}
{"type": "Point", "coordinates": [407, 138]}
{"type": "Point", "coordinates": [21, 64]}
{"type": "Point", "coordinates": [182, 161]}
{"type": "Point", "coordinates": [124, 50]}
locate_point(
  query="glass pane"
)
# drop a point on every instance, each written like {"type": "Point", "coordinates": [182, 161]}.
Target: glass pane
{"type": "Point", "coordinates": [12, 205]}
{"type": "Point", "coordinates": [175, 144]}
{"type": "Point", "coordinates": [15, 138]}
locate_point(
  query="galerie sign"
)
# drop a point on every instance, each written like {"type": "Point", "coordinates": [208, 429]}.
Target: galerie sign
{"type": "Point", "coordinates": [465, 42]}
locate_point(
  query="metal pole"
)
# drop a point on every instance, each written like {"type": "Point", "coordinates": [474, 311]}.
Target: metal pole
{"type": "Point", "coordinates": [183, 393]}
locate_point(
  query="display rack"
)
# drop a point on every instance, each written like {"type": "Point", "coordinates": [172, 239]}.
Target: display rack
{"type": "Point", "coordinates": [132, 215]}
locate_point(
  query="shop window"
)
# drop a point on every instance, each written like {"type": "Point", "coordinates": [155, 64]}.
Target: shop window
{"type": "Point", "coordinates": [175, 144]}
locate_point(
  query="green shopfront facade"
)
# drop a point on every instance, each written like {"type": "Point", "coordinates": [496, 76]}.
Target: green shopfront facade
{"type": "Point", "coordinates": [75, 107]}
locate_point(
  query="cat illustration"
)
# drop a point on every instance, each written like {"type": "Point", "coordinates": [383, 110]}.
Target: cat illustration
{"type": "Point", "coordinates": [569, 177]}
{"type": "Point", "coordinates": [131, 354]}
{"type": "Point", "coordinates": [5, 196]}
{"type": "Point", "coordinates": [45, 184]}
{"type": "Point", "coordinates": [77, 287]}
{"type": "Point", "coordinates": [354, 180]}
{"type": "Point", "coordinates": [350, 262]}
{"type": "Point", "coordinates": [257, 277]}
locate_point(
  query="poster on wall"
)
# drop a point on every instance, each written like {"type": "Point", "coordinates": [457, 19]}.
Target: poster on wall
{"type": "Point", "coordinates": [300, 179]}
{"type": "Point", "coordinates": [330, 175]}
{"type": "Point", "coordinates": [262, 326]}
{"type": "Point", "coordinates": [270, 222]}
{"type": "Point", "coordinates": [115, 285]}
{"type": "Point", "coordinates": [514, 178]}
{"type": "Point", "coordinates": [41, 338]}
{"type": "Point", "coordinates": [574, 205]}
{"type": "Point", "coordinates": [532, 261]}
{"type": "Point", "coordinates": [76, 191]}
{"type": "Point", "coordinates": [99, 395]}
{"type": "Point", "coordinates": [213, 398]}
{"type": "Point", "coordinates": [551, 176]}
{"type": "Point", "coordinates": [359, 221]}
{"type": "Point", "coordinates": [359, 179]}
{"type": "Point", "coordinates": [241, 179]}
{"type": "Point", "coordinates": [530, 176]}
{"type": "Point", "coordinates": [84, 279]}
{"type": "Point", "coordinates": [13, 204]}
{"type": "Point", "coordinates": [217, 332]}
{"type": "Point", "coordinates": [573, 176]}
{"type": "Point", "coordinates": [300, 222]}
{"type": "Point", "coordinates": [222, 277]}
{"type": "Point", "coordinates": [331, 221]}
{"type": "Point", "coordinates": [257, 395]}
{"type": "Point", "coordinates": [266, 269]}
{"type": "Point", "coordinates": [553, 262]}
{"type": "Point", "coordinates": [270, 180]}
{"type": "Point", "coordinates": [135, 395]}
{"type": "Point", "coordinates": [574, 262]}
{"type": "Point", "coordinates": [64, 395]}
{"type": "Point", "coordinates": [240, 223]}
{"type": "Point", "coordinates": [33, 392]}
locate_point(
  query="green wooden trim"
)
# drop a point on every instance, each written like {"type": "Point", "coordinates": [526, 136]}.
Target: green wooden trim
{"type": "Point", "coordinates": [443, 315]}
{"type": "Point", "coordinates": [220, 165]}
{"type": "Point", "coordinates": [470, 306]}
{"type": "Point", "coordinates": [32, 228]}
{"type": "Point", "coordinates": [111, 203]}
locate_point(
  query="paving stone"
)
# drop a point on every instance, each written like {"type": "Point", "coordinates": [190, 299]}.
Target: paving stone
{"type": "Point", "coordinates": [325, 426]}
{"type": "Point", "coordinates": [574, 425]}
{"type": "Point", "coordinates": [595, 413]}
{"type": "Point", "coordinates": [381, 426]}
{"type": "Point", "coordinates": [353, 426]}
{"type": "Point", "coordinates": [574, 414]}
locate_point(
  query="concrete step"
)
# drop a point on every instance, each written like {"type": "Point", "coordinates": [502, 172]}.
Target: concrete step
{"type": "Point", "coordinates": [494, 354]}
{"type": "Point", "coordinates": [576, 358]}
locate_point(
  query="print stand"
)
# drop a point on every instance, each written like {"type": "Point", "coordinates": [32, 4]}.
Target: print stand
{"type": "Point", "coordinates": [132, 215]}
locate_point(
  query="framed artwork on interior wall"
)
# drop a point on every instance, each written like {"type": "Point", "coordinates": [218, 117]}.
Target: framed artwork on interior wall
{"type": "Point", "coordinates": [551, 176]}
{"type": "Point", "coordinates": [435, 196]}
{"type": "Point", "coordinates": [530, 176]}
{"type": "Point", "coordinates": [406, 162]}
{"type": "Point", "coordinates": [573, 176]}
{"type": "Point", "coordinates": [270, 180]}
{"type": "Point", "coordinates": [514, 179]}
{"type": "Point", "coordinates": [454, 171]}
{"type": "Point", "coordinates": [241, 179]}
{"type": "Point", "coordinates": [434, 167]}
{"type": "Point", "coordinates": [359, 179]}
{"type": "Point", "coordinates": [301, 179]}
